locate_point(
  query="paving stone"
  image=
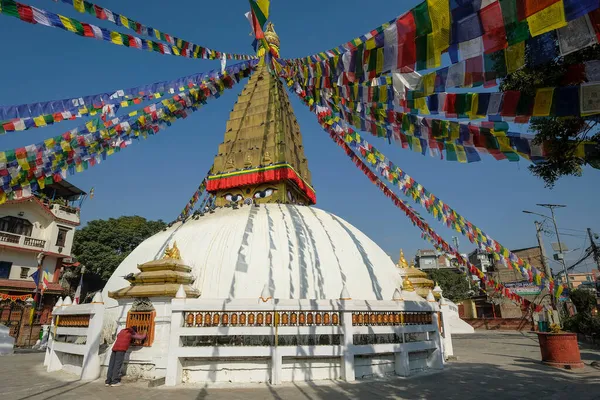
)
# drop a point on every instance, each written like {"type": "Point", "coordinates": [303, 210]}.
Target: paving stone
{"type": "Point", "coordinates": [497, 365]}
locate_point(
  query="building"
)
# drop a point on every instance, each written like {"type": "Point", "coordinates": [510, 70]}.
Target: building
{"type": "Point", "coordinates": [266, 275]}
{"type": "Point", "coordinates": [587, 279]}
{"type": "Point", "coordinates": [35, 228]}
{"type": "Point", "coordinates": [496, 306]}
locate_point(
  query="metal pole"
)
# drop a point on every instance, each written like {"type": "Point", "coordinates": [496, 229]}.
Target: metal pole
{"type": "Point", "coordinates": [562, 259]}
{"type": "Point", "coordinates": [595, 250]}
{"type": "Point", "coordinates": [547, 270]}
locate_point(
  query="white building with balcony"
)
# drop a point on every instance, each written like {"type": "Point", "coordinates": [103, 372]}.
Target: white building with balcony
{"type": "Point", "coordinates": [41, 223]}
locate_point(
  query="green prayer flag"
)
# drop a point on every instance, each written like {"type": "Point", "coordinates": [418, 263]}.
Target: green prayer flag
{"type": "Point", "coordinates": [451, 152]}
{"type": "Point", "coordinates": [421, 45]}
{"type": "Point", "coordinates": [516, 31]}
{"type": "Point", "coordinates": [422, 20]}
{"type": "Point", "coordinates": [260, 17]}
{"type": "Point", "coordinates": [9, 7]}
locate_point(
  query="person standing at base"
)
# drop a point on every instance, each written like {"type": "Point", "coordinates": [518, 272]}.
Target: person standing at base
{"type": "Point", "coordinates": [124, 339]}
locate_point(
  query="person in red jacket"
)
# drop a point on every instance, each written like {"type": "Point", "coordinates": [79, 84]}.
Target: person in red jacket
{"type": "Point", "coordinates": [124, 339]}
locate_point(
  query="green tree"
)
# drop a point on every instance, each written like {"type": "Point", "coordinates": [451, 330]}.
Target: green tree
{"type": "Point", "coordinates": [561, 135]}
{"type": "Point", "coordinates": [103, 244]}
{"type": "Point", "coordinates": [454, 284]}
{"type": "Point", "coordinates": [584, 322]}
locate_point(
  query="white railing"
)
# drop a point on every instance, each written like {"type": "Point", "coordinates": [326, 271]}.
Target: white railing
{"type": "Point", "coordinates": [65, 212]}
{"type": "Point", "coordinates": [75, 336]}
{"type": "Point", "coordinates": [21, 240]}
{"type": "Point", "coordinates": [277, 329]}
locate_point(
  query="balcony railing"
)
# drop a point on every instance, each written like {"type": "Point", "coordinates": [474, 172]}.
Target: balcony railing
{"type": "Point", "coordinates": [22, 240]}
{"type": "Point", "coordinates": [9, 237]}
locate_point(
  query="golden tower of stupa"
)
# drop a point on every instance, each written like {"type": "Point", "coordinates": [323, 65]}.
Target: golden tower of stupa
{"type": "Point", "coordinates": [261, 159]}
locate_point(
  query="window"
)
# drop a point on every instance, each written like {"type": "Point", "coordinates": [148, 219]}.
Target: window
{"type": "Point", "coordinates": [62, 237]}
{"type": "Point", "coordinates": [5, 269]}
{"type": "Point", "coordinates": [16, 225]}
{"type": "Point", "coordinates": [24, 272]}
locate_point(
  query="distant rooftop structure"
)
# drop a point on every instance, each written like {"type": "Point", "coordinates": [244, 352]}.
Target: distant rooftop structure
{"type": "Point", "coordinates": [63, 189]}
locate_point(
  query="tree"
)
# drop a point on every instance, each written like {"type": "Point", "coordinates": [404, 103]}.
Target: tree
{"type": "Point", "coordinates": [560, 135]}
{"type": "Point", "coordinates": [103, 244]}
{"type": "Point", "coordinates": [454, 285]}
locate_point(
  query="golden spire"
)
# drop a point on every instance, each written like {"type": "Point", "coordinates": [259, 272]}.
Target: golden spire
{"type": "Point", "coordinates": [172, 253]}
{"type": "Point", "coordinates": [402, 261]}
{"type": "Point", "coordinates": [407, 285]}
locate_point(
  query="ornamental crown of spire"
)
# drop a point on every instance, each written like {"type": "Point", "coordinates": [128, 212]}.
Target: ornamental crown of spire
{"type": "Point", "coordinates": [271, 36]}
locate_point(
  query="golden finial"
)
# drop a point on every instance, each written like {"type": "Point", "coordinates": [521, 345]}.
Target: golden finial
{"type": "Point", "coordinates": [412, 264]}
{"type": "Point", "coordinates": [172, 252]}
{"type": "Point", "coordinates": [407, 285]}
{"type": "Point", "coordinates": [402, 261]}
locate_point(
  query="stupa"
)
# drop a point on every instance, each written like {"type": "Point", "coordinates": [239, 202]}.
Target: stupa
{"type": "Point", "coordinates": [413, 278]}
{"type": "Point", "coordinates": [264, 245]}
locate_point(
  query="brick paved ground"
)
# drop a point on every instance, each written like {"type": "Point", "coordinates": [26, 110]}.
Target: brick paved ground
{"type": "Point", "coordinates": [490, 365]}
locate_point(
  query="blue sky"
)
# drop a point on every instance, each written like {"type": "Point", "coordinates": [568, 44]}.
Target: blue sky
{"type": "Point", "coordinates": [155, 178]}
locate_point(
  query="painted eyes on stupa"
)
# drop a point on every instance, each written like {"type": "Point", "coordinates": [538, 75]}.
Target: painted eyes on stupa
{"type": "Point", "coordinates": [263, 194]}
{"type": "Point", "coordinates": [233, 197]}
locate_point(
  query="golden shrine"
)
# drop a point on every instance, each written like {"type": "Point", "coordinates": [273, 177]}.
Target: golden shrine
{"type": "Point", "coordinates": [159, 278]}
{"type": "Point", "coordinates": [261, 159]}
{"type": "Point", "coordinates": [413, 279]}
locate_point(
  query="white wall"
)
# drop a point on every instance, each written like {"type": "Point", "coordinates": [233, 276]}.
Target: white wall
{"type": "Point", "coordinates": [26, 259]}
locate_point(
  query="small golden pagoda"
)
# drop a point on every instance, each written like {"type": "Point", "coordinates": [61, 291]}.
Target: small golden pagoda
{"type": "Point", "coordinates": [159, 278]}
{"type": "Point", "coordinates": [413, 278]}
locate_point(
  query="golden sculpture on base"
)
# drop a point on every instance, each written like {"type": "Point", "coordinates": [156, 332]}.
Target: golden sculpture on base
{"type": "Point", "coordinates": [413, 279]}
{"type": "Point", "coordinates": [172, 252]}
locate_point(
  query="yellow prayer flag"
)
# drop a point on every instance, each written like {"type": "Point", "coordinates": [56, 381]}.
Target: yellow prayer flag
{"type": "Point", "coordinates": [439, 13]}
{"type": "Point", "coordinates": [460, 153]}
{"type": "Point", "coordinates": [580, 150]}
{"type": "Point", "coordinates": [379, 65]}
{"type": "Point", "coordinates": [264, 7]}
{"type": "Point", "coordinates": [78, 167]}
{"type": "Point", "coordinates": [515, 57]}
{"type": "Point", "coordinates": [383, 94]}
{"type": "Point", "coordinates": [67, 23]}
{"type": "Point", "coordinates": [175, 50]}
{"type": "Point", "coordinates": [543, 102]}
{"type": "Point", "coordinates": [417, 145]}
{"type": "Point", "coordinates": [370, 44]}
{"type": "Point", "coordinates": [78, 4]}
{"type": "Point", "coordinates": [124, 21]}
{"type": "Point", "coordinates": [91, 126]}
{"type": "Point", "coordinates": [547, 19]}
{"type": "Point", "coordinates": [429, 83]}
{"type": "Point", "coordinates": [156, 33]}
{"type": "Point", "coordinates": [124, 104]}
{"type": "Point", "coordinates": [434, 55]}
{"type": "Point", "coordinates": [116, 38]}
{"type": "Point", "coordinates": [421, 105]}
{"type": "Point", "coordinates": [110, 151]}
{"type": "Point", "coordinates": [2, 198]}
{"type": "Point", "coordinates": [39, 121]}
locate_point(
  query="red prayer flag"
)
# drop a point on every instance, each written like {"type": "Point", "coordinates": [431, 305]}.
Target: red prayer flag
{"type": "Point", "coordinates": [25, 13]}
{"type": "Point", "coordinates": [510, 102]}
{"type": "Point", "coordinates": [494, 36]}
{"type": "Point", "coordinates": [407, 48]}
{"type": "Point", "coordinates": [527, 8]}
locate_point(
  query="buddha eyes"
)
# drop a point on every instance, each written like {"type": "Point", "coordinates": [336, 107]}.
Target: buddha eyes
{"type": "Point", "coordinates": [264, 193]}
{"type": "Point", "coordinates": [233, 197]}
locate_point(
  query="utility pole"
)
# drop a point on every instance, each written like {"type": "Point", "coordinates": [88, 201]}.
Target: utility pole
{"type": "Point", "coordinates": [547, 270]}
{"type": "Point", "coordinates": [560, 249]}
{"type": "Point", "coordinates": [595, 249]}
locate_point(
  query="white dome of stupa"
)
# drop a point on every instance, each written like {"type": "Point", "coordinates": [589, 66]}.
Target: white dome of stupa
{"type": "Point", "coordinates": [300, 252]}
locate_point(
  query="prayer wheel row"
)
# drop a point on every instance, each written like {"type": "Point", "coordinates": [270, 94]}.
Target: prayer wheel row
{"type": "Point", "coordinates": [391, 318]}
{"type": "Point", "coordinates": [260, 319]}
{"type": "Point", "coordinates": [73, 321]}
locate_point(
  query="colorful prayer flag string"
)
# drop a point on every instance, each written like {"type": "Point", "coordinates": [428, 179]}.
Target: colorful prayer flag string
{"type": "Point", "coordinates": [186, 49]}
{"type": "Point", "coordinates": [35, 115]}
{"type": "Point", "coordinates": [26, 169]}
{"type": "Point", "coordinates": [35, 15]}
